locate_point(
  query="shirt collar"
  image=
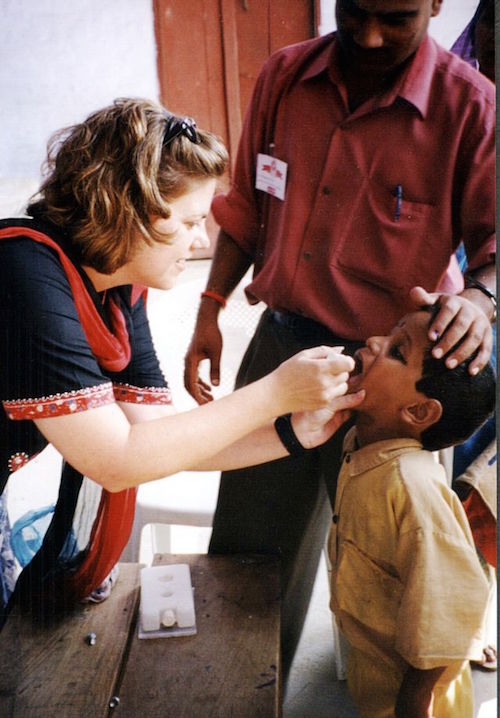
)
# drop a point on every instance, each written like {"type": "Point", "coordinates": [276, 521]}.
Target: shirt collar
{"type": "Point", "coordinates": [373, 455]}
{"type": "Point", "coordinates": [417, 80]}
{"type": "Point", "coordinates": [322, 61]}
{"type": "Point", "coordinates": [414, 85]}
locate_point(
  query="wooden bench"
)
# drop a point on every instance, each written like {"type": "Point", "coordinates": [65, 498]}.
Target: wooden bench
{"type": "Point", "coordinates": [229, 669]}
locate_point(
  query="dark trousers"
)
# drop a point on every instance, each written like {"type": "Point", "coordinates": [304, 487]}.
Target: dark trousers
{"type": "Point", "coordinates": [282, 507]}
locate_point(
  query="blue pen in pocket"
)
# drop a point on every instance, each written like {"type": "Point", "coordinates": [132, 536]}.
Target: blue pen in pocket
{"type": "Point", "coordinates": [398, 192]}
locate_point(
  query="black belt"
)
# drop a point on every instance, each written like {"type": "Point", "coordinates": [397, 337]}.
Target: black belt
{"type": "Point", "coordinates": [309, 329]}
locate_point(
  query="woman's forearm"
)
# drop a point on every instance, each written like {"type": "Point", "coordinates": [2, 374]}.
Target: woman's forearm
{"type": "Point", "coordinates": [107, 446]}
{"type": "Point", "coordinates": [260, 446]}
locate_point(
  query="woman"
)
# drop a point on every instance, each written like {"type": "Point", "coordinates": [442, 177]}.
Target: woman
{"type": "Point", "coordinates": [122, 208]}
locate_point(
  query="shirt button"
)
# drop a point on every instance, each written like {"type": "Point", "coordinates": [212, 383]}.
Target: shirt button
{"type": "Point", "coordinates": [326, 189]}
{"type": "Point", "coordinates": [307, 255]}
{"type": "Point", "coordinates": [335, 518]}
{"type": "Point", "coordinates": [347, 458]}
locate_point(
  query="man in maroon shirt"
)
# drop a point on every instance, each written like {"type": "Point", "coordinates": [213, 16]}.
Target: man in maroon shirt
{"type": "Point", "coordinates": [366, 157]}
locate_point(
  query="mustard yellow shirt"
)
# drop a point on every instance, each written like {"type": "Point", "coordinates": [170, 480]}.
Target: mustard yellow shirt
{"type": "Point", "coordinates": [407, 586]}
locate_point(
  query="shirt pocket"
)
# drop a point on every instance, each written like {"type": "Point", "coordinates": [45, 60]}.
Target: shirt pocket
{"type": "Point", "coordinates": [367, 592]}
{"type": "Point", "coordinates": [388, 239]}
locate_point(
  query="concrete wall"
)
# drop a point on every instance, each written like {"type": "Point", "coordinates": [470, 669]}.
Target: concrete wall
{"type": "Point", "coordinates": [62, 59]}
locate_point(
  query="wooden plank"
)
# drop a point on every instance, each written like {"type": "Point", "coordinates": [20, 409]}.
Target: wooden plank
{"type": "Point", "coordinates": [279, 23]}
{"type": "Point", "coordinates": [230, 668]}
{"type": "Point", "coordinates": [290, 22]}
{"type": "Point", "coordinates": [190, 61]}
{"type": "Point", "coordinates": [231, 75]}
{"type": "Point", "coordinates": [191, 72]}
{"type": "Point", "coordinates": [253, 47]}
{"type": "Point", "coordinates": [317, 16]}
{"type": "Point", "coordinates": [51, 671]}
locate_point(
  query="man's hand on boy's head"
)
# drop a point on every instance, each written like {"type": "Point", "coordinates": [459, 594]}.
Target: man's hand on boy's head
{"type": "Point", "coordinates": [459, 321]}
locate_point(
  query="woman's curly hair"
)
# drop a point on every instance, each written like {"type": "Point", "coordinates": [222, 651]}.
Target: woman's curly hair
{"type": "Point", "coordinates": [110, 175]}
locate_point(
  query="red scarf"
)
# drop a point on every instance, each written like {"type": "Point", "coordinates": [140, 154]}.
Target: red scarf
{"type": "Point", "coordinates": [112, 348]}
{"type": "Point", "coordinates": [115, 515]}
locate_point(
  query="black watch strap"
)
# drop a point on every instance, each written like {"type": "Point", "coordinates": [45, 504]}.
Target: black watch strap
{"type": "Point", "coordinates": [473, 283]}
{"type": "Point", "coordinates": [288, 438]}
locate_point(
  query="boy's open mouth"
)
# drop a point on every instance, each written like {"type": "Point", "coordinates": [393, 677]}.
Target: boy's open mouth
{"type": "Point", "coordinates": [358, 364]}
{"type": "Point", "coordinates": [357, 372]}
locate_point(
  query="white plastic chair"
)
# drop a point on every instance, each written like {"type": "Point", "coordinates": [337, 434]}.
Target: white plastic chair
{"type": "Point", "coordinates": [187, 498]}
{"type": "Point", "coordinates": [184, 499]}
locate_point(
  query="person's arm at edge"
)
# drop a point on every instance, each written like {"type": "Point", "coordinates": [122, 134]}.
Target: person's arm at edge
{"type": "Point", "coordinates": [415, 696]}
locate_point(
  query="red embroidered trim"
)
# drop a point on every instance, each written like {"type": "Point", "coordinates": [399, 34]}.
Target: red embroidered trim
{"type": "Point", "coordinates": [142, 395]}
{"type": "Point", "coordinates": [69, 402]}
{"type": "Point", "coordinates": [17, 460]}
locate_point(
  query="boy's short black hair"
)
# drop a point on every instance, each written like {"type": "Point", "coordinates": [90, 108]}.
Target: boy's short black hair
{"type": "Point", "coordinates": [467, 400]}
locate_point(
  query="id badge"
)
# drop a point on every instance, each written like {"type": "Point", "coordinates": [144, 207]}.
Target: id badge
{"type": "Point", "coordinates": [271, 175]}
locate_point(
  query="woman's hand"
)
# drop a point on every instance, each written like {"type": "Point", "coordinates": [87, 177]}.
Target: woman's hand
{"type": "Point", "coordinates": [313, 428]}
{"type": "Point", "coordinates": [310, 380]}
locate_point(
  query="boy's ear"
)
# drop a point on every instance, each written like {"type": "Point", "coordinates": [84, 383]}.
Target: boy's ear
{"type": "Point", "coordinates": [422, 414]}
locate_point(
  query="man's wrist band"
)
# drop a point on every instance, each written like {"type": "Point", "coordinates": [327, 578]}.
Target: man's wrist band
{"type": "Point", "coordinates": [473, 283]}
{"type": "Point", "coordinates": [287, 435]}
{"type": "Point", "coordinates": [214, 295]}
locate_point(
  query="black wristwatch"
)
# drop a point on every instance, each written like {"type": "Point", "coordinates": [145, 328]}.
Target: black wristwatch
{"type": "Point", "coordinates": [287, 435]}
{"type": "Point", "coordinates": [473, 283]}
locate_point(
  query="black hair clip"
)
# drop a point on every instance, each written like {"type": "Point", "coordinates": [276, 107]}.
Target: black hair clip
{"type": "Point", "coordinates": [175, 126]}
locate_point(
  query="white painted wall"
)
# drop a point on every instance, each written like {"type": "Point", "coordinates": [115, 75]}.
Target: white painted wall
{"type": "Point", "coordinates": [61, 60]}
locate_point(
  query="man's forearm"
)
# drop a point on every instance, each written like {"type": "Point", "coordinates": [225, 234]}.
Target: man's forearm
{"type": "Point", "coordinates": [229, 266]}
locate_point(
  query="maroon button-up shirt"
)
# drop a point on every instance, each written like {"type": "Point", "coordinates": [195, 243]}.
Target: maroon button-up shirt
{"type": "Point", "coordinates": [376, 200]}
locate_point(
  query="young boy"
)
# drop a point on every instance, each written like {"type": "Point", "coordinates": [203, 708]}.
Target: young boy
{"type": "Point", "coordinates": [407, 587]}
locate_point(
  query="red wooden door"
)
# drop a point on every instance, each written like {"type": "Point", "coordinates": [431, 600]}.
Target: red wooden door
{"type": "Point", "coordinates": [210, 53]}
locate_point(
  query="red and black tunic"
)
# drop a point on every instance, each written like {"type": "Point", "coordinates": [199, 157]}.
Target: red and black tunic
{"type": "Point", "coordinates": [64, 348]}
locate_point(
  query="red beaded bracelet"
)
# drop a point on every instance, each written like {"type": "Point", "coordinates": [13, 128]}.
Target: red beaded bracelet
{"type": "Point", "coordinates": [213, 295]}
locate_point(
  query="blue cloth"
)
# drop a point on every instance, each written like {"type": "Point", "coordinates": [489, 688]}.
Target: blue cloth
{"type": "Point", "coordinates": [465, 453]}
{"type": "Point", "coordinates": [8, 568]}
